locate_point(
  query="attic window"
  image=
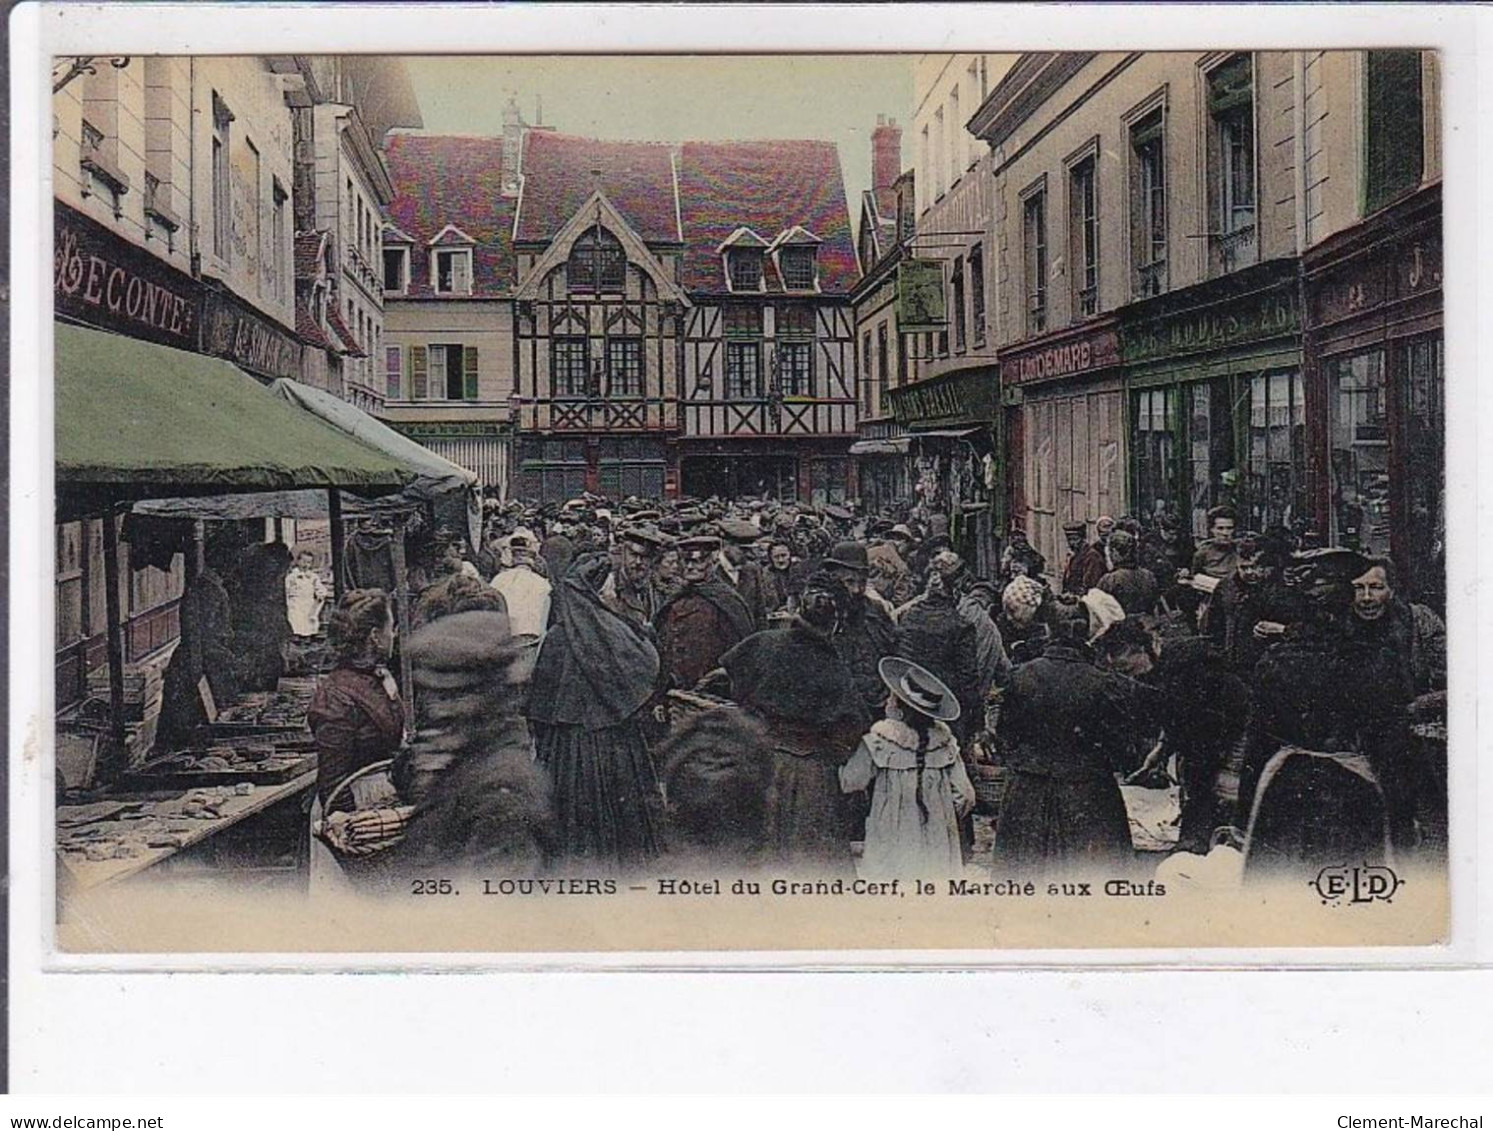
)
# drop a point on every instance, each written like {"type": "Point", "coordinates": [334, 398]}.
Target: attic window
{"type": "Point", "coordinates": [796, 264]}
{"type": "Point", "coordinates": [597, 262]}
{"type": "Point", "coordinates": [745, 266]}
{"type": "Point", "coordinates": [453, 271]}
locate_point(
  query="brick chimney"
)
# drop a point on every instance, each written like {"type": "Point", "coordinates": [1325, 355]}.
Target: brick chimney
{"type": "Point", "coordinates": [886, 152]}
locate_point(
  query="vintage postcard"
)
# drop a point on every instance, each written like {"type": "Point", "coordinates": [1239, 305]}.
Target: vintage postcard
{"type": "Point", "coordinates": [659, 505]}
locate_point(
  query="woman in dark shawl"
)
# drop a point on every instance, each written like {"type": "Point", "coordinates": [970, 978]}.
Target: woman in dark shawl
{"type": "Point", "coordinates": [595, 673]}
{"type": "Point", "coordinates": [794, 682]}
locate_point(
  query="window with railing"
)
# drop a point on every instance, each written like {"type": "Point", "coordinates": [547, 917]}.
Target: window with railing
{"type": "Point", "coordinates": [1083, 237]}
{"type": "Point", "coordinates": [1148, 205]}
{"type": "Point", "coordinates": [977, 293]}
{"type": "Point", "coordinates": [956, 299]}
{"type": "Point", "coordinates": [1231, 171]}
{"type": "Point", "coordinates": [1034, 259]}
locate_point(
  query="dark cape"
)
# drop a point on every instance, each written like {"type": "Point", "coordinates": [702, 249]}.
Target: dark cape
{"type": "Point", "coordinates": [596, 670]}
{"type": "Point", "coordinates": [694, 650]}
{"type": "Point", "coordinates": [793, 680]}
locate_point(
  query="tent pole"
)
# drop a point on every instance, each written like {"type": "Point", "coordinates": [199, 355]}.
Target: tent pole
{"type": "Point", "coordinates": [115, 631]}
{"type": "Point", "coordinates": [339, 539]}
{"type": "Point", "coordinates": [402, 607]}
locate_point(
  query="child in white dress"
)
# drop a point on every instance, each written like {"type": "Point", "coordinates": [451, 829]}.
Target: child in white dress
{"type": "Point", "coordinates": [920, 790]}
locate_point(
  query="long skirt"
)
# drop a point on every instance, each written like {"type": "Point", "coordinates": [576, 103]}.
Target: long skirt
{"type": "Point", "coordinates": [605, 794]}
{"type": "Point", "coordinates": [1315, 810]}
{"type": "Point", "coordinates": [808, 818]}
{"type": "Point", "coordinates": [1049, 823]}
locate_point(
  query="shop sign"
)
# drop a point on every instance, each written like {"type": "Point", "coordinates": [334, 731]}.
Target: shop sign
{"type": "Point", "coordinates": [248, 339]}
{"type": "Point", "coordinates": [446, 429]}
{"type": "Point", "coordinates": [920, 297]}
{"type": "Point", "coordinates": [105, 281]}
{"type": "Point", "coordinates": [969, 397]}
{"type": "Point", "coordinates": [1070, 358]}
{"type": "Point", "coordinates": [1254, 318]}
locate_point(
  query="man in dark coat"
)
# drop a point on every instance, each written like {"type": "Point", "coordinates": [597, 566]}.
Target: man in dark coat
{"type": "Point", "coordinates": [1252, 608]}
{"type": "Point", "coordinates": [630, 590]}
{"type": "Point", "coordinates": [1086, 563]}
{"type": "Point", "coordinates": [1326, 731]}
{"type": "Point", "coordinates": [698, 624]}
{"type": "Point", "coordinates": [1134, 586]}
{"type": "Point", "coordinates": [864, 634]}
{"type": "Point", "coordinates": [932, 634]}
{"type": "Point", "coordinates": [793, 680]}
{"type": "Point", "coordinates": [1167, 551]}
{"type": "Point", "coordinates": [736, 567]}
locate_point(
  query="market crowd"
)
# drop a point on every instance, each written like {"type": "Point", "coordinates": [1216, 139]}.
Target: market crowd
{"type": "Point", "coordinates": [634, 688]}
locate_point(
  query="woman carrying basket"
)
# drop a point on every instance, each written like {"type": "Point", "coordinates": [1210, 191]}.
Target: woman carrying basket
{"type": "Point", "coordinates": [356, 716]}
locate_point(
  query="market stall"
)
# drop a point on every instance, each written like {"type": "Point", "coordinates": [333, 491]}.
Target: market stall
{"type": "Point", "coordinates": [137, 421]}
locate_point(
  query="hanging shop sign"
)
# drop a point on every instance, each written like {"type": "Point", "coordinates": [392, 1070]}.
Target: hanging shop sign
{"type": "Point", "coordinates": [233, 330]}
{"type": "Point", "coordinates": [107, 282]}
{"type": "Point", "coordinates": [920, 296]}
{"type": "Point", "coordinates": [1228, 323]}
{"type": "Point", "coordinates": [967, 396]}
{"type": "Point", "coordinates": [1069, 355]}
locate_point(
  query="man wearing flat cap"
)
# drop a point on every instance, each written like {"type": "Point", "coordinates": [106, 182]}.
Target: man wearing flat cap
{"type": "Point", "coordinates": [738, 569]}
{"type": "Point", "coordinates": [701, 621]}
{"type": "Point", "coordinates": [629, 590]}
{"type": "Point", "coordinates": [1085, 565]}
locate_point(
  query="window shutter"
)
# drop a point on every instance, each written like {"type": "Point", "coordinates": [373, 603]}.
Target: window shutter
{"type": "Point", "coordinates": [469, 373]}
{"type": "Point", "coordinates": [419, 374]}
{"type": "Point", "coordinates": [461, 274]}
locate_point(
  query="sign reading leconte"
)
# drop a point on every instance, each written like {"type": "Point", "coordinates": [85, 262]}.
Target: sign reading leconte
{"type": "Point", "coordinates": [104, 281]}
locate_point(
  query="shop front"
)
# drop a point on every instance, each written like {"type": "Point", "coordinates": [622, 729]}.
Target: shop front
{"type": "Point", "coordinates": [954, 464]}
{"type": "Point", "coordinates": [234, 330]}
{"type": "Point", "coordinates": [1217, 402]}
{"type": "Point", "coordinates": [482, 447]}
{"type": "Point", "coordinates": [771, 467]}
{"type": "Point", "coordinates": [1376, 389]}
{"type": "Point", "coordinates": [554, 468]}
{"type": "Point", "coordinates": [1065, 438]}
{"type": "Point", "coordinates": [882, 463]}
{"type": "Point", "coordinates": [107, 283]}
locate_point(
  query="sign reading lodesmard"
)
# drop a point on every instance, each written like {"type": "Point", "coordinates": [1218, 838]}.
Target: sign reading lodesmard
{"type": "Point", "coordinates": [105, 281]}
{"type": "Point", "coordinates": [1072, 357]}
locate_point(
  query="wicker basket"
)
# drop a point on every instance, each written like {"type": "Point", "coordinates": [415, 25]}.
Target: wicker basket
{"type": "Point", "coordinates": [991, 785]}
{"type": "Point", "coordinates": [366, 830]}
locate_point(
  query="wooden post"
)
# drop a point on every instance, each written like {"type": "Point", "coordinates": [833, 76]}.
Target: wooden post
{"type": "Point", "coordinates": [338, 536]}
{"type": "Point", "coordinates": [115, 630]}
{"type": "Point", "coordinates": [402, 612]}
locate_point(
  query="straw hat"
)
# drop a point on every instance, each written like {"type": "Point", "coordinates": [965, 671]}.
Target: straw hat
{"type": "Point", "coordinates": [919, 688]}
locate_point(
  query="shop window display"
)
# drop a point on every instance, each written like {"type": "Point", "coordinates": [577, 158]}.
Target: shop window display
{"type": "Point", "coordinates": [1277, 452]}
{"type": "Point", "coordinates": [1360, 447]}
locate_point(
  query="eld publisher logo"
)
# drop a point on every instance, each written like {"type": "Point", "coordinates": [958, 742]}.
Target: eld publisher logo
{"type": "Point", "coordinates": [1358, 883]}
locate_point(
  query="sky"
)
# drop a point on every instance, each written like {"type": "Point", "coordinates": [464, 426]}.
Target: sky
{"type": "Point", "coordinates": [678, 98]}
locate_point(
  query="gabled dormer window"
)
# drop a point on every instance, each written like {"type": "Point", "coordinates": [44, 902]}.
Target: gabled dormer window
{"type": "Point", "coordinates": [795, 252]}
{"type": "Point", "coordinates": [745, 266]}
{"type": "Point", "coordinates": [797, 266]}
{"type": "Point", "coordinates": [451, 262]}
{"type": "Point", "coordinates": [742, 253]}
{"type": "Point", "coordinates": [597, 263]}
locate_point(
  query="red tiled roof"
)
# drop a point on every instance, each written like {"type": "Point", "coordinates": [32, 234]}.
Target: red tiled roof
{"type": "Point", "coordinates": [308, 247]}
{"type": "Point", "coordinates": [767, 186]}
{"type": "Point", "coordinates": [306, 327]}
{"type": "Point", "coordinates": [561, 172]}
{"type": "Point", "coordinates": [458, 181]}
{"type": "Point", "coordinates": [334, 320]}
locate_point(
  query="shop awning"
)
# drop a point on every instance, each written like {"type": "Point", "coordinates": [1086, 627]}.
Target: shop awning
{"type": "Point", "coordinates": [146, 420]}
{"type": "Point", "coordinates": [948, 433]}
{"type": "Point", "coordinates": [893, 447]}
{"type": "Point", "coordinates": [437, 478]}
